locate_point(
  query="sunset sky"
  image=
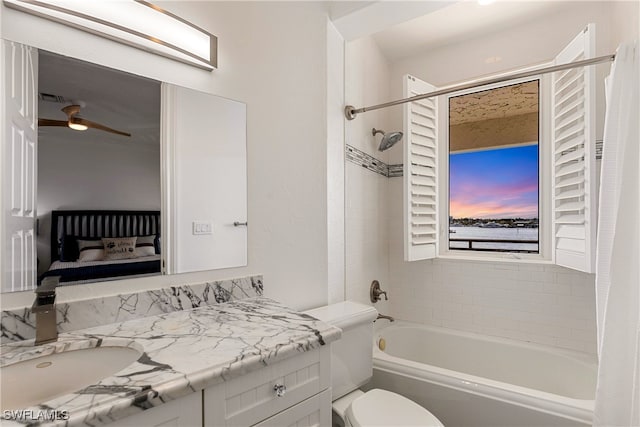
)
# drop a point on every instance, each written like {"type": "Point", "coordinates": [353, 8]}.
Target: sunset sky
{"type": "Point", "coordinates": [501, 183]}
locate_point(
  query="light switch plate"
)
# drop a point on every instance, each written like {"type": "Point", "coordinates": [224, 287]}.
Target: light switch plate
{"type": "Point", "coordinates": [202, 227]}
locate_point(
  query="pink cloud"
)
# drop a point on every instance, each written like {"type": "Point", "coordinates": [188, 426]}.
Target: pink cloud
{"type": "Point", "coordinates": [509, 200]}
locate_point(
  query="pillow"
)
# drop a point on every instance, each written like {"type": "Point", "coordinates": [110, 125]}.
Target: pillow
{"type": "Point", "coordinates": [119, 247]}
{"type": "Point", "coordinates": [145, 245]}
{"type": "Point", "coordinates": [69, 250]}
{"type": "Point", "coordinates": [90, 250]}
{"type": "Point", "coordinates": [157, 244]}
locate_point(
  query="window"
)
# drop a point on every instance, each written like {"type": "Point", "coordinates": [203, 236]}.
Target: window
{"type": "Point", "coordinates": [561, 155]}
{"type": "Point", "coordinates": [494, 169]}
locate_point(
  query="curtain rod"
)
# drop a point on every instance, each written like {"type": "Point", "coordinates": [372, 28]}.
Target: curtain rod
{"type": "Point", "coordinates": [350, 111]}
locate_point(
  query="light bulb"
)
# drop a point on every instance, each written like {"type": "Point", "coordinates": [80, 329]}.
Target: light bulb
{"type": "Point", "coordinates": [77, 126]}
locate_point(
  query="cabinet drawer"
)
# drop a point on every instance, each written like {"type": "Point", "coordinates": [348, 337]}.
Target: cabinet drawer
{"type": "Point", "coordinates": [251, 398]}
{"type": "Point", "coordinates": [313, 412]}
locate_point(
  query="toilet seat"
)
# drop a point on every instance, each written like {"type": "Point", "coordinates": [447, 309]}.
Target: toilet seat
{"type": "Point", "coordinates": [384, 408]}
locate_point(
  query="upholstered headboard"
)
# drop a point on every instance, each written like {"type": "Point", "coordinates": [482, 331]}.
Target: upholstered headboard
{"type": "Point", "coordinates": [101, 223]}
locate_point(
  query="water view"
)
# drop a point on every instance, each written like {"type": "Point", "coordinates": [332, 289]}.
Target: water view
{"type": "Point", "coordinates": [461, 237]}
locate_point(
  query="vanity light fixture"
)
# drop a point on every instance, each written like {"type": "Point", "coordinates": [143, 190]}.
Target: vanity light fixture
{"type": "Point", "coordinates": [136, 23]}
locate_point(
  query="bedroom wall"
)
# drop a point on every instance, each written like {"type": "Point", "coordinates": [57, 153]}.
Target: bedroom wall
{"type": "Point", "coordinates": [102, 176]}
{"type": "Point", "coordinates": [272, 57]}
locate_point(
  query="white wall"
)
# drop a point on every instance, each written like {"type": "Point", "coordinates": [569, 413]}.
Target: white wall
{"type": "Point", "coordinates": [625, 19]}
{"type": "Point", "coordinates": [272, 57]}
{"type": "Point", "coordinates": [335, 165]}
{"type": "Point", "coordinates": [367, 255]}
{"type": "Point", "coordinates": [367, 82]}
{"type": "Point", "coordinates": [102, 176]}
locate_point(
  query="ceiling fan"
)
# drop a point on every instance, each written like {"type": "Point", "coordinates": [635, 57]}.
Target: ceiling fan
{"type": "Point", "coordinates": [78, 123]}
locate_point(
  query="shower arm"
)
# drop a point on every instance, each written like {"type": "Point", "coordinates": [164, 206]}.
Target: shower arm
{"type": "Point", "coordinates": [350, 111]}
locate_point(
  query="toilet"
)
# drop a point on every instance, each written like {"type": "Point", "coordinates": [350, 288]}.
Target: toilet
{"type": "Point", "coordinates": [352, 367]}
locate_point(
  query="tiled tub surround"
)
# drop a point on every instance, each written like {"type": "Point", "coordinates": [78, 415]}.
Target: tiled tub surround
{"type": "Point", "coordinates": [183, 351]}
{"type": "Point", "coordinates": [538, 303]}
{"type": "Point", "coordinates": [18, 325]}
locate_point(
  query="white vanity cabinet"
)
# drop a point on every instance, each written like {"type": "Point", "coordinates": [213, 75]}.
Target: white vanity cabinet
{"type": "Point", "coordinates": [253, 399]}
{"type": "Point", "coordinates": [183, 412]}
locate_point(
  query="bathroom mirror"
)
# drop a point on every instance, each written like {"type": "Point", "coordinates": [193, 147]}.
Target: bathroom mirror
{"type": "Point", "coordinates": [150, 181]}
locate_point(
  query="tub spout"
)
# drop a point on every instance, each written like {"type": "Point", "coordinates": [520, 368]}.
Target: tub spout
{"type": "Point", "coordinates": [382, 316]}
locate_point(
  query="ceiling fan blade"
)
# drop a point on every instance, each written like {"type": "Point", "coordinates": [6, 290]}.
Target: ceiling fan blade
{"type": "Point", "coordinates": [50, 122]}
{"type": "Point", "coordinates": [94, 125]}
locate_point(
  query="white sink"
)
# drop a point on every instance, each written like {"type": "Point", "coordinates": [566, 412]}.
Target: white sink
{"type": "Point", "coordinates": [45, 377]}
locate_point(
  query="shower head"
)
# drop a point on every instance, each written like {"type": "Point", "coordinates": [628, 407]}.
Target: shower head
{"type": "Point", "coordinates": [388, 140]}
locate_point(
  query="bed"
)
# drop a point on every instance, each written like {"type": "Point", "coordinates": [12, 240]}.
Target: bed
{"type": "Point", "coordinates": [68, 227]}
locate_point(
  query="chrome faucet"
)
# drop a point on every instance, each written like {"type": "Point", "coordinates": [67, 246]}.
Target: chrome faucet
{"type": "Point", "coordinates": [382, 316]}
{"type": "Point", "coordinates": [45, 309]}
{"type": "Point", "coordinates": [375, 292]}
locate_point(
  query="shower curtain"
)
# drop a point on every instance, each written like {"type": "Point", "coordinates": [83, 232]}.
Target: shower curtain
{"type": "Point", "coordinates": [618, 249]}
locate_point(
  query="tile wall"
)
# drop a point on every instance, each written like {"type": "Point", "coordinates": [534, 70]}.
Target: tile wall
{"type": "Point", "coordinates": [536, 303]}
{"type": "Point", "coordinates": [366, 237]}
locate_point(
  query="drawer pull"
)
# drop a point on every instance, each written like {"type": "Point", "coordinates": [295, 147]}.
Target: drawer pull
{"type": "Point", "coordinates": [280, 389]}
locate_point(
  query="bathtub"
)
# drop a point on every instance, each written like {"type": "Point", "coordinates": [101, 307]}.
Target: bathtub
{"type": "Point", "coordinates": [466, 379]}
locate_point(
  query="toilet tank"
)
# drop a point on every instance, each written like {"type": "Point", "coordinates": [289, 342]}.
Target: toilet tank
{"type": "Point", "coordinates": [351, 356]}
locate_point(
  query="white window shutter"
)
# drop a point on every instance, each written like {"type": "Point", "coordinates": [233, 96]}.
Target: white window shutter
{"type": "Point", "coordinates": [420, 177]}
{"type": "Point", "coordinates": [573, 136]}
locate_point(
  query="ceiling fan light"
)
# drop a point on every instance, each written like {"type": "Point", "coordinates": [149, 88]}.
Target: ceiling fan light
{"type": "Point", "coordinates": [77, 126]}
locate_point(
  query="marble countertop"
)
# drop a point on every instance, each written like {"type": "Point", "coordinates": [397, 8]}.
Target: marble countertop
{"type": "Point", "coordinates": [183, 352]}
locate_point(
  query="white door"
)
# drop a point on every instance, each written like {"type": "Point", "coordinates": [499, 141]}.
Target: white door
{"type": "Point", "coordinates": [204, 138]}
{"type": "Point", "coordinates": [19, 165]}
